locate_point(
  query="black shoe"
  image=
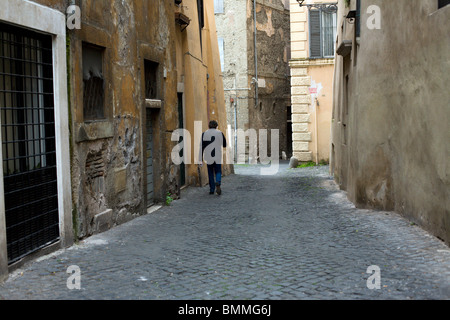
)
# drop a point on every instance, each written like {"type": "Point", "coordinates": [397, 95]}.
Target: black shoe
{"type": "Point", "coordinates": [218, 190]}
{"type": "Point", "coordinates": [211, 192]}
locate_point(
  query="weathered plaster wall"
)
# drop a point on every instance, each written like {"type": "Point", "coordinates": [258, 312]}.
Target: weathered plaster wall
{"type": "Point", "coordinates": [106, 157]}
{"type": "Point", "coordinates": [396, 154]}
{"type": "Point", "coordinates": [200, 79]}
{"type": "Point", "coordinates": [109, 181]}
{"type": "Point", "coordinates": [309, 73]}
{"type": "Point", "coordinates": [322, 78]}
{"type": "Point", "coordinates": [273, 45]}
{"type": "Point", "coordinates": [236, 26]}
{"type": "Point", "coordinates": [216, 95]}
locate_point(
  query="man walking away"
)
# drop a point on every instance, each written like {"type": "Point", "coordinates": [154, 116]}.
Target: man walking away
{"type": "Point", "coordinates": [211, 151]}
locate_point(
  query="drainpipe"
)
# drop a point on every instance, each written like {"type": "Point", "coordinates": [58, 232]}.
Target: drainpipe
{"type": "Point", "coordinates": [317, 130]}
{"type": "Point", "coordinates": [235, 121]}
{"type": "Point", "coordinates": [235, 130]}
{"type": "Point", "coordinates": [256, 54]}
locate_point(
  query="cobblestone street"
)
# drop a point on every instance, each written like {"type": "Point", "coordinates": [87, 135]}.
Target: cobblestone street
{"type": "Point", "coordinates": [284, 237]}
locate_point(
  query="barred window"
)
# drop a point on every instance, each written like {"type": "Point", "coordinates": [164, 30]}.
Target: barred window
{"type": "Point", "coordinates": [27, 113]}
{"type": "Point", "coordinates": [93, 95]}
{"type": "Point", "coordinates": [151, 79]}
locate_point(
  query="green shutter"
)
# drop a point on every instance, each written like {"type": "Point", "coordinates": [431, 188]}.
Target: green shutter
{"type": "Point", "coordinates": [314, 34]}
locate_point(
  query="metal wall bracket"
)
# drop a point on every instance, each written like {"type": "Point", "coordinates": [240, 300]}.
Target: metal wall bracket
{"type": "Point", "coordinates": [182, 20]}
{"type": "Point", "coordinates": [326, 7]}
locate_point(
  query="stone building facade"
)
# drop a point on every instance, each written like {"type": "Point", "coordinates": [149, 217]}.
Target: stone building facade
{"type": "Point", "coordinates": [257, 93]}
{"type": "Point", "coordinates": [313, 32]}
{"type": "Point", "coordinates": [391, 108]}
{"type": "Point", "coordinates": [91, 98]}
{"type": "Point", "coordinates": [199, 83]}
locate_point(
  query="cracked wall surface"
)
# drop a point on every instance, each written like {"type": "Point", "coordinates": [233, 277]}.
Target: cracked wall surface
{"type": "Point", "coordinates": [108, 173]}
{"type": "Point", "coordinates": [116, 145]}
{"type": "Point", "coordinates": [109, 153]}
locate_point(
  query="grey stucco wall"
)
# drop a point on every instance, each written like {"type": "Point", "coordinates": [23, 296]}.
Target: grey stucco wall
{"type": "Point", "coordinates": [399, 111]}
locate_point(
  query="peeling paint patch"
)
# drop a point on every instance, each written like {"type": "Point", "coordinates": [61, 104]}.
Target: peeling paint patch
{"type": "Point", "coordinates": [317, 86]}
{"type": "Point", "coordinates": [268, 26]}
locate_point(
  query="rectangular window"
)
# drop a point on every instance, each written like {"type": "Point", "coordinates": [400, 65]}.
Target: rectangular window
{"type": "Point", "coordinates": [222, 59]}
{"type": "Point", "coordinates": [329, 33]}
{"type": "Point", "coordinates": [151, 79]}
{"type": "Point", "coordinates": [218, 6]}
{"type": "Point", "coordinates": [201, 19]}
{"type": "Point", "coordinates": [26, 99]}
{"type": "Point", "coordinates": [315, 34]}
{"type": "Point", "coordinates": [322, 25]}
{"type": "Point", "coordinates": [201, 14]}
{"type": "Point", "coordinates": [358, 19]}
{"type": "Point", "coordinates": [93, 93]}
{"type": "Point", "coordinates": [443, 3]}
{"type": "Point", "coordinates": [28, 140]}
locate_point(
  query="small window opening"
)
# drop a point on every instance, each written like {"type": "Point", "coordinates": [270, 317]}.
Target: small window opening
{"type": "Point", "coordinates": [151, 82]}
{"type": "Point", "coordinates": [443, 3]}
{"type": "Point", "coordinates": [93, 95]}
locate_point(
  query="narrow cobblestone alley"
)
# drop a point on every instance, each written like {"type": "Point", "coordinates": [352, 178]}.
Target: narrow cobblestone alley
{"type": "Point", "coordinates": [290, 236]}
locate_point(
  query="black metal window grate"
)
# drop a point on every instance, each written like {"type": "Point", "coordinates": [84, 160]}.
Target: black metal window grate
{"type": "Point", "coordinates": [93, 92]}
{"type": "Point", "coordinates": [28, 140]}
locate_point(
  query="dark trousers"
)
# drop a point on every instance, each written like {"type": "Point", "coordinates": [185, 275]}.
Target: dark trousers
{"type": "Point", "coordinates": [214, 175]}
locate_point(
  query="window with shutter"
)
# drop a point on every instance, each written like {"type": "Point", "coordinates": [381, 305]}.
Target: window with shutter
{"type": "Point", "coordinates": [322, 33]}
{"type": "Point", "coordinates": [329, 33]}
{"type": "Point", "coordinates": [315, 34]}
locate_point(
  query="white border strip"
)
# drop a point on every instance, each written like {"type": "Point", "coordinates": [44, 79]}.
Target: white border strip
{"type": "Point", "coordinates": [27, 14]}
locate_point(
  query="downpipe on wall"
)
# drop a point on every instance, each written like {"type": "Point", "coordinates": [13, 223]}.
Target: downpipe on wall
{"type": "Point", "coordinates": [255, 79]}
{"type": "Point", "coordinates": [316, 102]}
